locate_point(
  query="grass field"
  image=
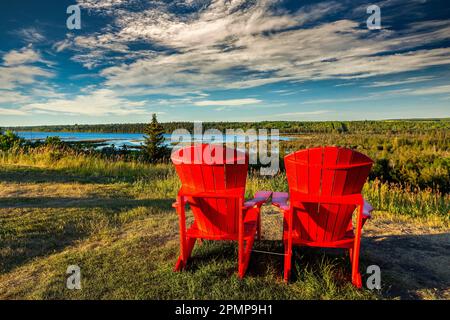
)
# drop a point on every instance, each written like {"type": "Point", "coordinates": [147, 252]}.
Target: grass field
{"type": "Point", "coordinates": [115, 221]}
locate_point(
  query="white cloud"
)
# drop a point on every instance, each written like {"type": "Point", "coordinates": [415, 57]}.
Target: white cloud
{"type": "Point", "coordinates": [268, 45]}
{"type": "Point", "coordinates": [101, 4]}
{"type": "Point", "coordinates": [232, 102]}
{"type": "Point", "coordinates": [302, 113]}
{"type": "Point", "coordinates": [12, 77]}
{"type": "Point", "coordinates": [18, 68]}
{"type": "Point", "coordinates": [377, 84]}
{"type": "Point", "coordinates": [201, 49]}
{"type": "Point", "coordinates": [22, 56]}
{"type": "Point", "coordinates": [11, 112]}
{"type": "Point", "coordinates": [12, 97]}
{"type": "Point", "coordinates": [97, 103]}
{"type": "Point", "coordinates": [432, 90]}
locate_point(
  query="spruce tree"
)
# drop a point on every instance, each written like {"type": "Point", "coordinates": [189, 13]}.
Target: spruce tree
{"type": "Point", "coordinates": [154, 148]}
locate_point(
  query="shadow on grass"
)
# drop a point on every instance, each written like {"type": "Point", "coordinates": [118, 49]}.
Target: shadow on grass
{"type": "Point", "coordinates": [24, 174]}
{"type": "Point", "coordinates": [21, 244]}
{"type": "Point", "coordinates": [85, 202]}
{"type": "Point", "coordinates": [409, 263]}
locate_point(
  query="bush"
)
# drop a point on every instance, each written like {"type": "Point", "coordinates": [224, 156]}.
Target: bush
{"type": "Point", "coordinates": [9, 140]}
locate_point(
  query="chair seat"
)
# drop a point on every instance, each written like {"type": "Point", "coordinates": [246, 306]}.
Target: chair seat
{"type": "Point", "coordinates": [250, 225]}
{"type": "Point", "coordinates": [345, 242]}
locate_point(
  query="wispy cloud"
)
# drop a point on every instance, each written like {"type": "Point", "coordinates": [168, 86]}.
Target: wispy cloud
{"type": "Point", "coordinates": [232, 102]}
{"type": "Point", "coordinates": [431, 90]}
{"type": "Point", "coordinates": [97, 103]}
{"type": "Point", "coordinates": [30, 35]}
{"type": "Point", "coordinates": [11, 112]}
{"type": "Point", "coordinates": [377, 84]}
{"type": "Point", "coordinates": [270, 45]}
{"type": "Point", "coordinates": [303, 113]}
{"type": "Point", "coordinates": [187, 53]}
{"type": "Point", "coordinates": [22, 56]}
{"type": "Point", "coordinates": [19, 68]}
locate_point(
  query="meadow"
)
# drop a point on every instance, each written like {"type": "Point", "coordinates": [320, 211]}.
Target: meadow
{"type": "Point", "coordinates": [112, 216]}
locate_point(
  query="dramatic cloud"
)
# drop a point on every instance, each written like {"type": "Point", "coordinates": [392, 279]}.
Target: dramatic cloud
{"type": "Point", "coordinates": [243, 44]}
{"type": "Point", "coordinates": [141, 51]}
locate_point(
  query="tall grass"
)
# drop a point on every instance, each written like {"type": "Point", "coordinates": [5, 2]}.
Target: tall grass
{"type": "Point", "coordinates": [383, 196]}
{"type": "Point", "coordinates": [82, 164]}
{"type": "Point", "coordinates": [405, 200]}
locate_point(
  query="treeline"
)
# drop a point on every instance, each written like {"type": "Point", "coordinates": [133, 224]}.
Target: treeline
{"type": "Point", "coordinates": [285, 127]}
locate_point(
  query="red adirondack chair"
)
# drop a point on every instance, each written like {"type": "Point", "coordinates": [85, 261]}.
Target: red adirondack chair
{"type": "Point", "coordinates": [324, 190]}
{"type": "Point", "coordinates": [213, 184]}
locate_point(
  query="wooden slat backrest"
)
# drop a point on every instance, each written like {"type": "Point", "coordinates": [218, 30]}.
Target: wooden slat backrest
{"type": "Point", "coordinates": [325, 171]}
{"type": "Point", "coordinates": [224, 175]}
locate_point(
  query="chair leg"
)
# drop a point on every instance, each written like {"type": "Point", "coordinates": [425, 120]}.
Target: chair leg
{"type": "Point", "coordinates": [181, 263]}
{"type": "Point", "coordinates": [246, 256]}
{"type": "Point", "coordinates": [182, 259]}
{"type": "Point", "coordinates": [288, 222]}
{"type": "Point", "coordinates": [241, 242]}
{"type": "Point", "coordinates": [259, 226]}
{"type": "Point", "coordinates": [356, 276]}
{"type": "Point", "coordinates": [241, 267]}
{"type": "Point", "coordinates": [287, 261]}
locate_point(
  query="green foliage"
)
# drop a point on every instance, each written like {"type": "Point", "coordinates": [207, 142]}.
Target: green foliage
{"type": "Point", "coordinates": [53, 141]}
{"type": "Point", "coordinates": [154, 149]}
{"type": "Point", "coordinates": [9, 140]}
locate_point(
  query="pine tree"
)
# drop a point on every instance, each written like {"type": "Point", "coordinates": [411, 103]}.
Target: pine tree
{"type": "Point", "coordinates": [154, 148]}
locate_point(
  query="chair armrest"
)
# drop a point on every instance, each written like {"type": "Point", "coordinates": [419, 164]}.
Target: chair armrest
{"type": "Point", "coordinates": [176, 204]}
{"type": "Point", "coordinates": [259, 198]}
{"type": "Point", "coordinates": [367, 209]}
{"type": "Point", "coordinates": [279, 199]}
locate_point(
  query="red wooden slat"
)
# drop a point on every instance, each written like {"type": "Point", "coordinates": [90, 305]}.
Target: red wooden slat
{"type": "Point", "coordinates": [231, 172]}
{"type": "Point", "coordinates": [327, 211]}
{"type": "Point", "coordinates": [339, 184]}
{"type": "Point", "coordinates": [302, 171]}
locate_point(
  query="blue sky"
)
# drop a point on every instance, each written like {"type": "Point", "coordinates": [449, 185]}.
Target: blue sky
{"type": "Point", "coordinates": [222, 60]}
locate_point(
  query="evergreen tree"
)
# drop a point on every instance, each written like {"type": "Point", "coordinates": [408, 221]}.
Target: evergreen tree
{"type": "Point", "coordinates": [154, 148]}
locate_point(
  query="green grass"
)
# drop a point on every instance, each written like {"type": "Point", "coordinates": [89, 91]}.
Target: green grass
{"type": "Point", "coordinates": [114, 220]}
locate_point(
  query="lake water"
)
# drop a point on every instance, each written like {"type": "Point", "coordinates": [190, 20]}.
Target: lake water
{"type": "Point", "coordinates": [121, 139]}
